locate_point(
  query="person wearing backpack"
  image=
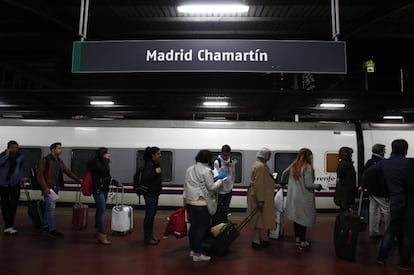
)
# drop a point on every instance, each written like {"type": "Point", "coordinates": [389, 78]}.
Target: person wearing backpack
{"type": "Point", "coordinates": [101, 179]}
{"type": "Point", "coordinates": [151, 178]}
{"type": "Point", "coordinates": [11, 175]}
{"type": "Point", "coordinates": [50, 177]}
{"type": "Point", "coordinates": [225, 165]}
{"type": "Point", "coordinates": [376, 188]}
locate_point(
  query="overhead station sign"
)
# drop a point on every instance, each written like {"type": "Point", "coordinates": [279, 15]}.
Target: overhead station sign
{"type": "Point", "coordinates": [211, 55]}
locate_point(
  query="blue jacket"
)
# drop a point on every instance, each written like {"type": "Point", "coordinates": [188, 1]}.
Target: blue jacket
{"type": "Point", "coordinates": [16, 175]}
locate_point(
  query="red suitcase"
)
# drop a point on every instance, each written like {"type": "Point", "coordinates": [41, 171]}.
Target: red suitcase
{"type": "Point", "coordinates": [80, 214]}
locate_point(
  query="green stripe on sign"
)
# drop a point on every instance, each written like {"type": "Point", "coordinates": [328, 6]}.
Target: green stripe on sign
{"type": "Point", "coordinates": [76, 57]}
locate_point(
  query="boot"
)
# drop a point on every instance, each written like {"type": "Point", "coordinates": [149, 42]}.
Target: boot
{"type": "Point", "coordinates": [102, 239]}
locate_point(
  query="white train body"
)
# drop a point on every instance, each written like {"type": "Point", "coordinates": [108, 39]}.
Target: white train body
{"type": "Point", "coordinates": [185, 138]}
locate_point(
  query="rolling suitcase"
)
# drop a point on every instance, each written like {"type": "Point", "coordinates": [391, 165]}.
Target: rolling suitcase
{"type": "Point", "coordinates": [122, 221]}
{"type": "Point", "coordinates": [219, 245]}
{"type": "Point", "coordinates": [80, 214]}
{"type": "Point", "coordinates": [347, 227]}
{"type": "Point", "coordinates": [35, 210]}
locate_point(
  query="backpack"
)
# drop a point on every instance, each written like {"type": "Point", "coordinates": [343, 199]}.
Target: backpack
{"type": "Point", "coordinates": [33, 174]}
{"type": "Point", "coordinates": [139, 188]}
{"type": "Point", "coordinates": [177, 223]}
{"type": "Point", "coordinates": [87, 184]}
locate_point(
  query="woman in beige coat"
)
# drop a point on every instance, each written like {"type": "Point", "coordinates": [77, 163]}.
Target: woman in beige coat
{"type": "Point", "coordinates": [260, 195]}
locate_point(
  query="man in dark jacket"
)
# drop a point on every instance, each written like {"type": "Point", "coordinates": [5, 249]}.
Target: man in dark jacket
{"type": "Point", "coordinates": [395, 170]}
{"type": "Point", "coordinates": [11, 175]}
{"type": "Point", "coordinates": [376, 188]}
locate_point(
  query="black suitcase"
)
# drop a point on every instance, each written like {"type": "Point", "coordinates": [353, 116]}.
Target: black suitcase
{"type": "Point", "coordinates": [347, 228]}
{"type": "Point", "coordinates": [35, 210]}
{"type": "Point", "coordinates": [219, 245]}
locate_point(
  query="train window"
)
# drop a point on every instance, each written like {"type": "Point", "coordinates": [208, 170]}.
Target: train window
{"type": "Point", "coordinates": [31, 157]}
{"type": "Point", "coordinates": [331, 162]}
{"type": "Point", "coordinates": [80, 159]}
{"type": "Point", "coordinates": [166, 164]}
{"type": "Point", "coordinates": [282, 161]}
{"type": "Point", "coordinates": [236, 156]}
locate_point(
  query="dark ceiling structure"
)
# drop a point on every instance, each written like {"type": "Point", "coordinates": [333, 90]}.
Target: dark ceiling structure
{"type": "Point", "coordinates": [36, 38]}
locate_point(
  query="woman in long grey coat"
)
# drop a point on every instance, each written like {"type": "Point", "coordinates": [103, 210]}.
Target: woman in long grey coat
{"type": "Point", "coordinates": [300, 201]}
{"type": "Point", "coordinates": [261, 194]}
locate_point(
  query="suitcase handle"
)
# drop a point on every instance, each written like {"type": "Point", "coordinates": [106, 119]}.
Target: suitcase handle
{"type": "Point", "coordinates": [122, 195]}
{"type": "Point", "coordinates": [360, 202]}
{"type": "Point", "coordinates": [247, 219]}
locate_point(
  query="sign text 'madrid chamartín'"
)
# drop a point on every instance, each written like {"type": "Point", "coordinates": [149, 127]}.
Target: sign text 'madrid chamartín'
{"type": "Point", "coordinates": [206, 55]}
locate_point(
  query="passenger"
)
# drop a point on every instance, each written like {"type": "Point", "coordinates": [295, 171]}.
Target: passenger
{"type": "Point", "coordinates": [300, 200]}
{"type": "Point", "coordinates": [346, 188]}
{"type": "Point", "coordinates": [101, 179]}
{"type": "Point", "coordinates": [379, 201]}
{"type": "Point", "coordinates": [199, 188]}
{"type": "Point", "coordinates": [151, 177]}
{"type": "Point", "coordinates": [52, 180]}
{"type": "Point", "coordinates": [395, 170]}
{"type": "Point", "coordinates": [261, 195]}
{"type": "Point", "coordinates": [224, 164]}
{"type": "Point", "coordinates": [11, 176]}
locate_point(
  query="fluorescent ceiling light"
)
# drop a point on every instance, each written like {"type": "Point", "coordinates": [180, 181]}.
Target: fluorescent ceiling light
{"type": "Point", "coordinates": [99, 102]}
{"type": "Point", "coordinates": [332, 105]}
{"type": "Point", "coordinates": [215, 103]}
{"type": "Point", "coordinates": [393, 117]}
{"type": "Point", "coordinates": [223, 8]}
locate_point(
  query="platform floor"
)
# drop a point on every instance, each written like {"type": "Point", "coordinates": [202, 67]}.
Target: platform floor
{"type": "Point", "coordinates": [32, 252]}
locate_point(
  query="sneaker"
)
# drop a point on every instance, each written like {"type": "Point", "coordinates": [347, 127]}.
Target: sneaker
{"type": "Point", "coordinates": [10, 231]}
{"type": "Point", "coordinates": [192, 253]}
{"type": "Point", "coordinates": [406, 266]}
{"type": "Point", "coordinates": [200, 258]}
{"type": "Point", "coordinates": [57, 234]}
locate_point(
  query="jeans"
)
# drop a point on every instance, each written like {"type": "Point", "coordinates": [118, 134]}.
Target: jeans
{"type": "Point", "coordinates": [200, 222]}
{"type": "Point", "coordinates": [400, 229]}
{"type": "Point", "coordinates": [151, 204]}
{"type": "Point", "coordinates": [222, 209]}
{"type": "Point", "coordinates": [300, 231]}
{"type": "Point", "coordinates": [9, 196]}
{"type": "Point", "coordinates": [100, 200]}
{"type": "Point", "coordinates": [49, 215]}
{"type": "Point", "coordinates": [376, 206]}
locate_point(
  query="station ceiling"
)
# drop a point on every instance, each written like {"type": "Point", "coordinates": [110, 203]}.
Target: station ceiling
{"type": "Point", "coordinates": [36, 39]}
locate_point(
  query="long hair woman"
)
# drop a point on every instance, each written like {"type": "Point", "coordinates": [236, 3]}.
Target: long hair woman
{"type": "Point", "coordinates": [151, 177]}
{"type": "Point", "coordinates": [101, 178]}
{"type": "Point", "coordinates": [300, 201]}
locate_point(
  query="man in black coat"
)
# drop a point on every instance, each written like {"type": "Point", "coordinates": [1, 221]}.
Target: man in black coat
{"type": "Point", "coordinates": [395, 170]}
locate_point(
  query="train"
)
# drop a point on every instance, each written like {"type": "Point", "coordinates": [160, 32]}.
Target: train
{"type": "Point", "coordinates": [181, 140]}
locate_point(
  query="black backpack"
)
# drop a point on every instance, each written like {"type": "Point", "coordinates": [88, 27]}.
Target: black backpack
{"type": "Point", "coordinates": [33, 174]}
{"type": "Point", "coordinates": [140, 189]}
